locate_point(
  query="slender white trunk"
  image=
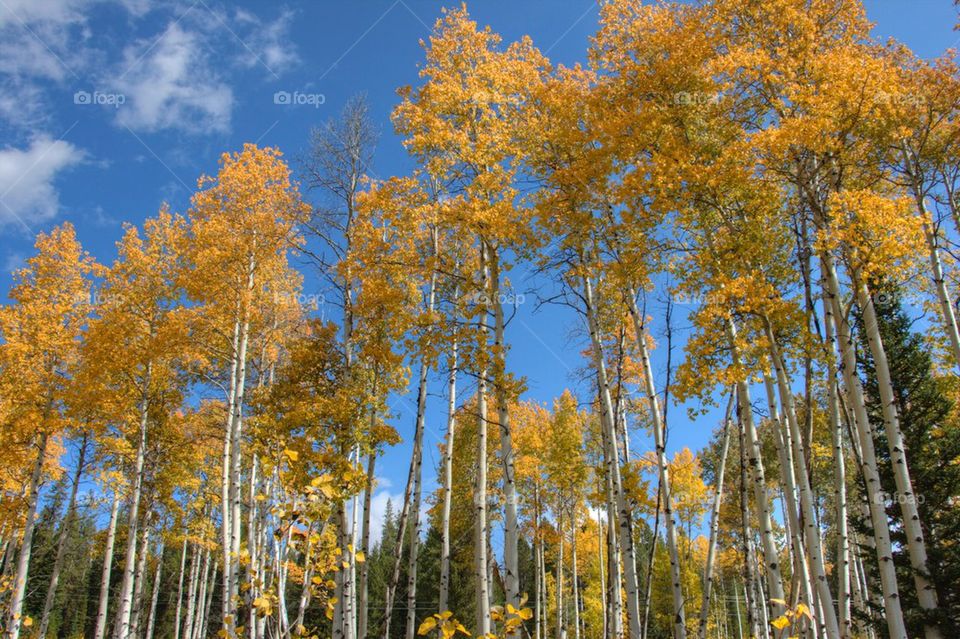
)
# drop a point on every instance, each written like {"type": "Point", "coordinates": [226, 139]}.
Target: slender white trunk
{"type": "Point", "coordinates": [559, 628]}
{"type": "Point", "coordinates": [714, 523]}
{"type": "Point", "coordinates": [840, 483]}
{"type": "Point", "coordinates": [192, 593]}
{"type": "Point", "coordinates": [659, 434]}
{"type": "Point", "coordinates": [104, 598]}
{"type": "Point", "coordinates": [124, 610]}
{"type": "Point", "coordinates": [15, 620]}
{"type": "Point", "coordinates": [868, 465]}
{"type": "Point", "coordinates": [812, 533]}
{"type": "Point", "coordinates": [480, 558]}
{"type": "Point", "coordinates": [511, 527]}
{"type": "Point", "coordinates": [413, 480]}
{"type": "Point", "coordinates": [65, 528]}
{"type": "Point", "coordinates": [788, 477]}
{"type": "Point", "coordinates": [574, 577]}
{"type": "Point", "coordinates": [770, 554]}
{"type": "Point", "coordinates": [749, 570]}
{"type": "Point", "coordinates": [140, 578]}
{"type": "Point", "coordinates": [179, 609]}
{"type": "Point", "coordinates": [612, 465]}
{"type": "Point", "coordinates": [363, 607]}
{"type": "Point", "coordinates": [907, 500]}
{"type": "Point", "coordinates": [229, 620]}
{"type": "Point", "coordinates": [537, 577]}
{"type": "Point", "coordinates": [151, 618]}
{"type": "Point", "coordinates": [208, 589]}
{"type": "Point", "coordinates": [448, 482]}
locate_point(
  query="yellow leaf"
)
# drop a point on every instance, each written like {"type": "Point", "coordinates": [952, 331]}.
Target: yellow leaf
{"type": "Point", "coordinates": [780, 622]}
{"type": "Point", "coordinates": [428, 624]}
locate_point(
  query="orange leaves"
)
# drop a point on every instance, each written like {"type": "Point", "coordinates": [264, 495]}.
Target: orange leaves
{"type": "Point", "coordinates": [880, 233]}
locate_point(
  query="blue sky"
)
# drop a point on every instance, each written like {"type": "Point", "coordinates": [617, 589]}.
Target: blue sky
{"type": "Point", "coordinates": [110, 107]}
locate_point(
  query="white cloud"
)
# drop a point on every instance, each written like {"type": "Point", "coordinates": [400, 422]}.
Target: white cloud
{"type": "Point", "coordinates": [170, 83]}
{"type": "Point", "coordinates": [27, 176]}
{"type": "Point", "coordinates": [267, 44]}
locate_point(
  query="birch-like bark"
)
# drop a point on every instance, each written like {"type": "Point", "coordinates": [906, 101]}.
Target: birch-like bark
{"type": "Point", "coordinates": [511, 527]}
{"type": "Point", "coordinates": [192, 587]}
{"type": "Point", "coordinates": [411, 625]}
{"type": "Point", "coordinates": [559, 628]}
{"type": "Point", "coordinates": [152, 616]}
{"type": "Point", "coordinates": [124, 610]}
{"type": "Point", "coordinates": [574, 576]}
{"type": "Point", "coordinates": [868, 465]}
{"type": "Point", "coordinates": [65, 528]}
{"type": "Point", "coordinates": [363, 589]}
{"type": "Point", "coordinates": [840, 483]}
{"type": "Point", "coordinates": [812, 531]}
{"type": "Point", "coordinates": [447, 488]}
{"type": "Point", "coordinates": [747, 535]}
{"type": "Point", "coordinates": [140, 577]}
{"type": "Point", "coordinates": [229, 619]}
{"type": "Point", "coordinates": [14, 618]}
{"type": "Point", "coordinates": [480, 558]}
{"type": "Point", "coordinates": [659, 435]}
{"type": "Point", "coordinates": [537, 602]}
{"type": "Point", "coordinates": [179, 607]}
{"type": "Point", "coordinates": [788, 477]}
{"type": "Point", "coordinates": [413, 479]}
{"type": "Point", "coordinates": [917, 550]}
{"type": "Point", "coordinates": [104, 598]}
{"type": "Point", "coordinates": [714, 523]}
{"type": "Point", "coordinates": [612, 466]}
{"type": "Point", "coordinates": [771, 557]}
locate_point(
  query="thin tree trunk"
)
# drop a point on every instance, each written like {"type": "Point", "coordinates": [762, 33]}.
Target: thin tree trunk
{"type": "Point", "coordinates": [363, 606]}
{"type": "Point", "coordinates": [575, 575]}
{"type": "Point", "coordinates": [771, 557]}
{"type": "Point", "coordinates": [537, 602]}
{"type": "Point", "coordinates": [868, 467]}
{"type": "Point", "coordinates": [612, 464]}
{"type": "Point", "coordinates": [413, 479]}
{"type": "Point", "coordinates": [714, 523]}
{"type": "Point", "coordinates": [15, 619]}
{"type": "Point", "coordinates": [104, 598]}
{"type": "Point", "coordinates": [444, 602]}
{"type": "Point", "coordinates": [659, 435]}
{"type": "Point", "coordinates": [125, 609]}
{"type": "Point", "coordinates": [917, 550]}
{"type": "Point", "coordinates": [560, 629]}
{"type": "Point", "coordinates": [65, 528]}
{"type": "Point", "coordinates": [183, 565]}
{"type": "Point", "coordinates": [151, 618]}
{"type": "Point", "coordinates": [140, 578]}
{"type": "Point", "coordinates": [812, 532]}
{"type": "Point", "coordinates": [480, 491]}
{"type": "Point", "coordinates": [511, 527]}
{"type": "Point", "coordinates": [192, 587]}
{"type": "Point", "coordinates": [748, 567]}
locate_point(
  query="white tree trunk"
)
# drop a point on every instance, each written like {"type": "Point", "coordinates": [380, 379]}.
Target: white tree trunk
{"type": "Point", "coordinates": [65, 528]}
{"type": "Point", "coordinates": [770, 554]}
{"type": "Point", "coordinates": [363, 606]}
{"type": "Point", "coordinates": [574, 577]}
{"type": "Point", "coordinates": [122, 629]}
{"type": "Point", "coordinates": [151, 618]}
{"type": "Point", "coordinates": [480, 558]}
{"type": "Point", "coordinates": [559, 627]}
{"type": "Point", "coordinates": [812, 533]}
{"type": "Point", "coordinates": [868, 466]}
{"type": "Point", "coordinates": [659, 433]}
{"type": "Point", "coordinates": [15, 620]}
{"type": "Point", "coordinates": [511, 527]}
{"type": "Point", "coordinates": [447, 488]}
{"type": "Point", "coordinates": [179, 608]}
{"type": "Point", "coordinates": [612, 465]}
{"type": "Point", "coordinates": [714, 523]}
{"type": "Point", "coordinates": [917, 550]}
{"type": "Point", "coordinates": [104, 598]}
